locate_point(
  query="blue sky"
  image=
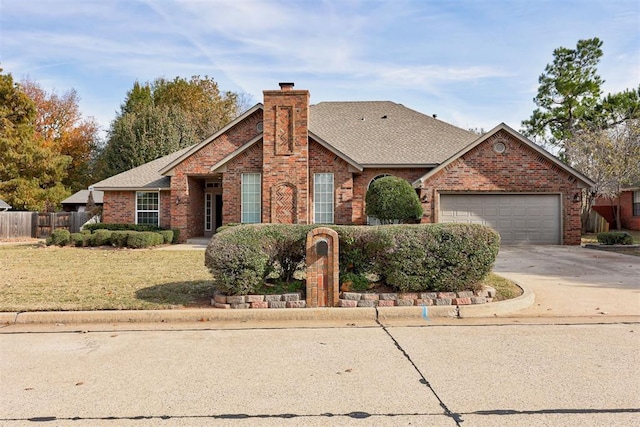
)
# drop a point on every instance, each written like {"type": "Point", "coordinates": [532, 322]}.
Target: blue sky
{"type": "Point", "coordinates": [473, 63]}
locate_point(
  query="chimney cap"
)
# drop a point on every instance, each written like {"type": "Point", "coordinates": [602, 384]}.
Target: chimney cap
{"type": "Point", "coordinates": [286, 85]}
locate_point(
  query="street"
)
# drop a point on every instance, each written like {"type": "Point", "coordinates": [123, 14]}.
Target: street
{"type": "Point", "coordinates": [435, 373]}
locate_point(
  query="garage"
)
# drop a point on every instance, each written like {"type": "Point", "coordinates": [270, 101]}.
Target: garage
{"type": "Point", "coordinates": [519, 218]}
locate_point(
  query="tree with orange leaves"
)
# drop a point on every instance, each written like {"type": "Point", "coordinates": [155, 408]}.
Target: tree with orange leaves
{"type": "Point", "coordinates": [62, 128]}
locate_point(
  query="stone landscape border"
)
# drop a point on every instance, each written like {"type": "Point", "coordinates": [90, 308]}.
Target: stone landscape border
{"type": "Point", "coordinates": [358, 299]}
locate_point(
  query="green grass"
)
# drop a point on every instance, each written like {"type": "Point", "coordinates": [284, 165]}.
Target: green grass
{"type": "Point", "coordinates": [36, 278]}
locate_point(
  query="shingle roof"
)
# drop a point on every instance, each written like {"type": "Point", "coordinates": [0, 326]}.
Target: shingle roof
{"type": "Point", "coordinates": [82, 196]}
{"type": "Point", "coordinates": [142, 177]}
{"type": "Point", "coordinates": [4, 205]}
{"type": "Point", "coordinates": [386, 133]}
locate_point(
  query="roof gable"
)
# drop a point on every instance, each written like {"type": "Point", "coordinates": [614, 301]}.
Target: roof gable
{"type": "Point", "coordinates": [536, 148]}
{"type": "Point", "coordinates": [167, 169]}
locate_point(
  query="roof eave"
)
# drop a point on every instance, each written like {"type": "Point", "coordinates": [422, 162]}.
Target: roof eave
{"type": "Point", "coordinates": [399, 165]}
{"type": "Point", "coordinates": [133, 188]}
{"type": "Point", "coordinates": [167, 169]}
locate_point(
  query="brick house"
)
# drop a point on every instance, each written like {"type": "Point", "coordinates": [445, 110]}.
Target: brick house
{"type": "Point", "coordinates": [286, 161]}
{"type": "Point", "coordinates": [629, 209]}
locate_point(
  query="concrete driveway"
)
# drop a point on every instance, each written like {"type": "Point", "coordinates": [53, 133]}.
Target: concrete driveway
{"type": "Point", "coordinates": [573, 281]}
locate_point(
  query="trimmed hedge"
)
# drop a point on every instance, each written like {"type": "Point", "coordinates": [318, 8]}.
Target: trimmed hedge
{"type": "Point", "coordinates": [59, 237]}
{"type": "Point", "coordinates": [615, 238]}
{"type": "Point", "coordinates": [119, 227]}
{"type": "Point", "coordinates": [428, 257]}
{"type": "Point", "coordinates": [101, 237]}
{"type": "Point", "coordinates": [167, 236]}
{"type": "Point", "coordinates": [143, 239]}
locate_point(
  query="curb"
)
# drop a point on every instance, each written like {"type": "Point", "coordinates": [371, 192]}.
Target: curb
{"type": "Point", "coordinates": [500, 308]}
{"type": "Point", "coordinates": [493, 309]}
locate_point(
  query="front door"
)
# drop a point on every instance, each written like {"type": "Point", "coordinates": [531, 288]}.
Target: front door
{"type": "Point", "coordinates": [212, 212]}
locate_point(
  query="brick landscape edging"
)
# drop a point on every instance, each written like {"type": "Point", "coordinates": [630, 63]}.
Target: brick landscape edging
{"type": "Point", "coordinates": [357, 299]}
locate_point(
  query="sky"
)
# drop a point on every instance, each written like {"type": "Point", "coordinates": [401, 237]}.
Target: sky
{"type": "Point", "coordinates": [474, 63]}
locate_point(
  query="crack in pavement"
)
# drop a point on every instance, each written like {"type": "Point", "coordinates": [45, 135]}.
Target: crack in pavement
{"type": "Point", "coordinates": [423, 380]}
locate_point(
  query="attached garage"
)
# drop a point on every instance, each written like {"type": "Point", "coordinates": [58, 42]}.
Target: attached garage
{"type": "Point", "coordinates": [519, 218]}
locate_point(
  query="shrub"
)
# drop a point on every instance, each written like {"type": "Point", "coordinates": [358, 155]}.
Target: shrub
{"type": "Point", "coordinates": [438, 257]}
{"type": "Point", "coordinates": [237, 261]}
{"type": "Point", "coordinates": [102, 237]}
{"type": "Point", "coordinates": [359, 283]}
{"type": "Point", "coordinates": [167, 236]}
{"type": "Point", "coordinates": [59, 237]}
{"type": "Point", "coordinates": [615, 238]}
{"type": "Point", "coordinates": [176, 235]}
{"type": "Point", "coordinates": [120, 227]}
{"type": "Point", "coordinates": [119, 238]}
{"type": "Point", "coordinates": [392, 199]}
{"type": "Point", "coordinates": [77, 239]}
{"type": "Point", "coordinates": [143, 239]}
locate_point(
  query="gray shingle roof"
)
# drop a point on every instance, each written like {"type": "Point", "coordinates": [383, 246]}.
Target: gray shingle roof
{"type": "Point", "coordinates": [4, 205]}
{"type": "Point", "coordinates": [82, 196]}
{"type": "Point", "coordinates": [142, 177]}
{"type": "Point", "coordinates": [383, 132]}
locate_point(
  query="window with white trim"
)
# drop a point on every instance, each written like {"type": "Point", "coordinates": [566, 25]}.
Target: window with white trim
{"type": "Point", "coordinates": [148, 208]}
{"type": "Point", "coordinates": [251, 200]}
{"type": "Point", "coordinates": [323, 198]}
{"type": "Point", "coordinates": [636, 203]}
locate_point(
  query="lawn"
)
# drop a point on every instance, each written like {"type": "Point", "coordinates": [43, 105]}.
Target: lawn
{"type": "Point", "coordinates": [36, 278]}
{"type": "Point", "coordinates": [54, 278]}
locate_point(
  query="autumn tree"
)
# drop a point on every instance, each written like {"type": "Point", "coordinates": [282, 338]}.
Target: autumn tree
{"type": "Point", "coordinates": [159, 118]}
{"type": "Point", "coordinates": [31, 172]}
{"type": "Point", "coordinates": [61, 127]}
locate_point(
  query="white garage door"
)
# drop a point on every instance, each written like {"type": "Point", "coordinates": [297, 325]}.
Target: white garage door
{"type": "Point", "coordinates": [519, 218]}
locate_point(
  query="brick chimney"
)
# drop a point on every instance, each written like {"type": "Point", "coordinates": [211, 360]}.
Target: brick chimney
{"type": "Point", "coordinates": [285, 180]}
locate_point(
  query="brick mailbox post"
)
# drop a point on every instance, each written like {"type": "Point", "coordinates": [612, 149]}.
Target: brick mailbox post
{"type": "Point", "coordinates": [323, 285]}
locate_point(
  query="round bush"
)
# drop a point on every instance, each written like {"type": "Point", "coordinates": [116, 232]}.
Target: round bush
{"type": "Point", "coordinates": [59, 237]}
{"type": "Point", "coordinates": [77, 239]}
{"type": "Point", "coordinates": [615, 238]}
{"type": "Point", "coordinates": [392, 199]}
{"type": "Point", "coordinates": [167, 236]}
{"type": "Point", "coordinates": [102, 237]}
{"type": "Point", "coordinates": [237, 261]}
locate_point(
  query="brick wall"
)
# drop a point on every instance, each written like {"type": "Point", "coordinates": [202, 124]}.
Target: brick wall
{"type": "Point", "coordinates": [248, 162]}
{"type": "Point", "coordinates": [518, 169]}
{"type": "Point", "coordinates": [119, 207]}
{"type": "Point", "coordinates": [285, 148]}
{"type": "Point", "coordinates": [187, 181]}
{"type": "Point", "coordinates": [627, 220]}
{"type": "Point", "coordinates": [322, 160]}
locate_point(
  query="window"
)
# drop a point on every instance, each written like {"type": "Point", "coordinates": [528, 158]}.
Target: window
{"type": "Point", "coordinates": [323, 198]}
{"type": "Point", "coordinates": [251, 200]}
{"type": "Point", "coordinates": [148, 208]}
{"type": "Point", "coordinates": [636, 203]}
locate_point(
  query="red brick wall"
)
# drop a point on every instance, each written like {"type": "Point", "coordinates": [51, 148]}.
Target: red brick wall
{"type": "Point", "coordinates": [248, 162]}
{"type": "Point", "coordinates": [627, 220]}
{"type": "Point", "coordinates": [285, 148]}
{"type": "Point", "coordinates": [322, 160]}
{"type": "Point", "coordinates": [518, 169]}
{"type": "Point", "coordinates": [119, 207]}
{"type": "Point", "coordinates": [187, 182]}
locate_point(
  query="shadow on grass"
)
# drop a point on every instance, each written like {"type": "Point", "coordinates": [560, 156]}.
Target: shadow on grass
{"type": "Point", "coordinates": [188, 294]}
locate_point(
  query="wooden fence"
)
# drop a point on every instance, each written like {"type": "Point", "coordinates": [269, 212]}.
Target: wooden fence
{"type": "Point", "coordinates": [39, 225]}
